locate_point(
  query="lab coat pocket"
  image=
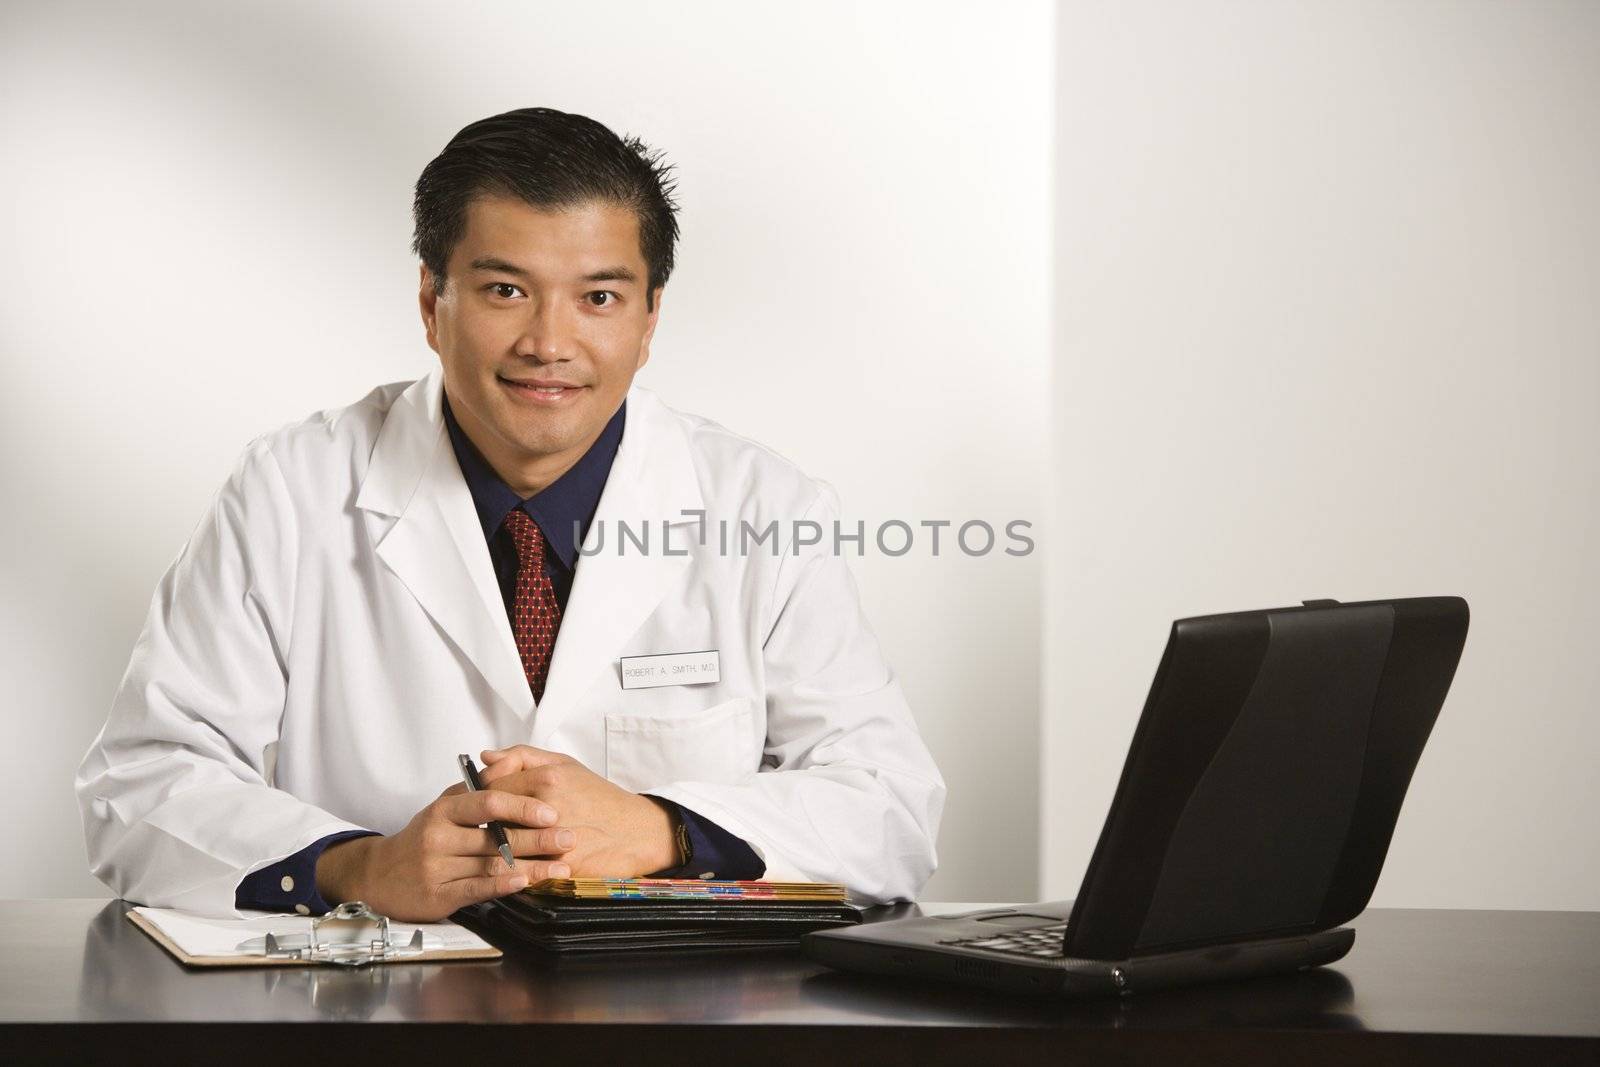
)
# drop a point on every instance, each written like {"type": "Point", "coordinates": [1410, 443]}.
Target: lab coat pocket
{"type": "Point", "coordinates": [648, 751]}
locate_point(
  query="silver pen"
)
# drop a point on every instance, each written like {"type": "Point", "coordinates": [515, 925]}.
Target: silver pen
{"type": "Point", "coordinates": [469, 772]}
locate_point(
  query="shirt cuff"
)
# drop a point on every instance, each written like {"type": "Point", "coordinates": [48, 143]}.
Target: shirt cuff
{"type": "Point", "coordinates": [713, 851]}
{"type": "Point", "coordinates": [291, 884]}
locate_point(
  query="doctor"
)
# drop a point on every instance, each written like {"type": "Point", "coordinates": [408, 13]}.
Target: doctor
{"type": "Point", "coordinates": [456, 565]}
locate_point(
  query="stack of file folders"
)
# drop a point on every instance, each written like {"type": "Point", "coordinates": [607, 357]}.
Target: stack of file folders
{"type": "Point", "coordinates": [593, 915]}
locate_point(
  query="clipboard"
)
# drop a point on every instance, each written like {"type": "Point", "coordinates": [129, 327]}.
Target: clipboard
{"type": "Point", "coordinates": [399, 950]}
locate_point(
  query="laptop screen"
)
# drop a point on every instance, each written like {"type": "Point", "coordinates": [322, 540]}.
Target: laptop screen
{"type": "Point", "coordinates": [1263, 782]}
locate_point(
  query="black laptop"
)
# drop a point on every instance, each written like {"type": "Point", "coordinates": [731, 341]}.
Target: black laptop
{"type": "Point", "coordinates": [1251, 821]}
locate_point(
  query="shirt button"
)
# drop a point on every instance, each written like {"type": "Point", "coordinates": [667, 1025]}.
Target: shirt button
{"type": "Point", "coordinates": [287, 884]}
{"type": "Point", "coordinates": [301, 908]}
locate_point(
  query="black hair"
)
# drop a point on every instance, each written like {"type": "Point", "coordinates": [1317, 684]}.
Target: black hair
{"type": "Point", "coordinates": [548, 159]}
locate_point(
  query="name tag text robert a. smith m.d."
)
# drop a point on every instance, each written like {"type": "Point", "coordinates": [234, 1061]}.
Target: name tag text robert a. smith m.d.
{"type": "Point", "coordinates": [676, 668]}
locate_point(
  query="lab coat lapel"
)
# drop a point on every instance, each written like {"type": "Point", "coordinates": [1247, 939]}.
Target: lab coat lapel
{"type": "Point", "coordinates": [436, 546]}
{"type": "Point", "coordinates": [616, 587]}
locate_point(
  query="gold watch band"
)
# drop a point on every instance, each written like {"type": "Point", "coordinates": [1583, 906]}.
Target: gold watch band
{"type": "Point", "coordinates": [680, 834]}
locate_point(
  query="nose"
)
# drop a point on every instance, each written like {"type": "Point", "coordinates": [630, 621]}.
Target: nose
{"type": "Point", "coordinates": [549, 335]}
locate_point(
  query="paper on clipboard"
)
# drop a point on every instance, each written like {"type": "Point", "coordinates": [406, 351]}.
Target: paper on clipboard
{"type": "Point", "coordinates": [202, 941]}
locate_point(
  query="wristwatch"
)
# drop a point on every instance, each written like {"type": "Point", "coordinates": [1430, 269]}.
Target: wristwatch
{"type": "Point", "coordinates": [680, 834]}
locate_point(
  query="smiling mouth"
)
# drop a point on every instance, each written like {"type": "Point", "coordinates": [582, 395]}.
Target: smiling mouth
{"type": "Point", "coordinates": [539, 388]}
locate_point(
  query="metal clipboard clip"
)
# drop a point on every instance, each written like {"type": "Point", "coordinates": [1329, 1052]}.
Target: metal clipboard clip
{"type": "Point", "coordinates": [351, 935]}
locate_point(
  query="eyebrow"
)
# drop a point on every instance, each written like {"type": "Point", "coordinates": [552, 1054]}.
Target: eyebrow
{"type": "Point", "coordinates": [604, 274]}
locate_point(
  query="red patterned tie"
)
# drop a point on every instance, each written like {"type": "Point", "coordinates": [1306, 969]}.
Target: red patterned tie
{"type": "Point", "coordinates": [535, 614]}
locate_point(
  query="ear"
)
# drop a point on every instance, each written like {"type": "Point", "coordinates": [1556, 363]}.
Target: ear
{"type": "Point", "coordinates": [649, 329]}
{"type": "Point", "coordinates": [429, 303]}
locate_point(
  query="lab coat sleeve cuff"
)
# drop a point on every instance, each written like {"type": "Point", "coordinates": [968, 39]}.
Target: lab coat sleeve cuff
{"type": "Point", "coordinates": [291, 883]}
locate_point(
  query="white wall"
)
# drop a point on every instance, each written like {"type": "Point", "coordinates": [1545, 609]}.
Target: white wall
{"type": "Point", "coordinates": [208, 216]}
{"type": "Point", "coordinates": [1325, 326]}
{"type": "Point", "coordinates": [1328, 325]}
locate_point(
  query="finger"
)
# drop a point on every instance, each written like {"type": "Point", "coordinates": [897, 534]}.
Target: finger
{"type": "Point", "coordinates": [496, 805]}
{"type": "Point", "coordinates": [463, 891]}
{"type": "Point", "coordinates": [535, 870]}
{"type": "Point", "coordinates": [545, 783]}
{"type": "Point", "coordinates": [538, 870]}
{"type": "Point", "coordinates": [535, 756]}
{"type": "Point", "coordinates": [473, 841]}
{"type": "Point", "coordinates": [548, 842]}
{"type": "Point", "coordinates": [503, 761]}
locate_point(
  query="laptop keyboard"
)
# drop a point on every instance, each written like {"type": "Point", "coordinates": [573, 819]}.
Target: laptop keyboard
{"type": "Point", "coordinates": [1031, 941]}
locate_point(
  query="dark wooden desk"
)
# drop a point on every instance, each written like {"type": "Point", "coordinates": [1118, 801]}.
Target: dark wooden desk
{"type": "Point", "coordinates": [80, 984]}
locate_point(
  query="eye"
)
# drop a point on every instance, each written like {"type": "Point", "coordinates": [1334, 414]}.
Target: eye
{"type": "Point", "coordinates": [495, 288]}
{"type": "Point", "coordinates": [602, 294]}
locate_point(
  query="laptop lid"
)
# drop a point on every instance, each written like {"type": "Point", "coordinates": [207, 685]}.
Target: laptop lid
{"type": "Point", "coordinates": [1265, 777]}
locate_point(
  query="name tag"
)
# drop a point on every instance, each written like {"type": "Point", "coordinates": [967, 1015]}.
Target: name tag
{"type": "Point", "coordinates": [677, 668]}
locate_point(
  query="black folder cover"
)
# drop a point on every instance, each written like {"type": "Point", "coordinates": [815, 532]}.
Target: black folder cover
{"type": "Point", "coordinates": [564, 925]}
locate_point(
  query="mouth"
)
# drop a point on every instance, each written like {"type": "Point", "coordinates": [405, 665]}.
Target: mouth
{"type": "Point", "coordinates": [541, 390]}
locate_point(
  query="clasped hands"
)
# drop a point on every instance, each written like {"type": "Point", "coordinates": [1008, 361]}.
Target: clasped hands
{"type": "Point", "coordinates": [562, 819]}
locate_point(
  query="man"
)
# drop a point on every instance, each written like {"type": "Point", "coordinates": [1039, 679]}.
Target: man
{"type": "Point", "coordinates": [465, 564]}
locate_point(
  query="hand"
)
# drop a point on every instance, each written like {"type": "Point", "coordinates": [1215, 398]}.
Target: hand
{"type": "Point", "coordinates": [443, 859]}
{"type": "Point", "coordinates": [619, 834]}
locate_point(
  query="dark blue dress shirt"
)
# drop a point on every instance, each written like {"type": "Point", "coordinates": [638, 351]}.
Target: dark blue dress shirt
{"type": "Point", "coordinates": [563, 510]}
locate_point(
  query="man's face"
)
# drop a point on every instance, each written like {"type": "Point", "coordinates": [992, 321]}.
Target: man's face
{"type": "Point", "coordinates": [540, 330]}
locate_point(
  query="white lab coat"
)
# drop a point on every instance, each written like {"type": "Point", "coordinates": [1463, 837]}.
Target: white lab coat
{"type": "Point", "coordinates": [332, 635]}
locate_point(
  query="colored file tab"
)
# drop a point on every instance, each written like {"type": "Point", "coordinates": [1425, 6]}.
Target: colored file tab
{"type": "Point", "coordinates": [685, 889]}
